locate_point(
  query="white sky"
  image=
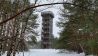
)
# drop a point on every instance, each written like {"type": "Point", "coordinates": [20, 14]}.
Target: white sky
{"type": "Point", "coordinates": [55, 9]}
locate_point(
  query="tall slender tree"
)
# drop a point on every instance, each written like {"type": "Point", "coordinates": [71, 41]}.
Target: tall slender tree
{"type": "Point", "coordinates": [12, 33]}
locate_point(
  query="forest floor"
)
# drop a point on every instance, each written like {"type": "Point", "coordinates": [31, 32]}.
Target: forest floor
{"type": "Point", "coordinates": [47, 52]}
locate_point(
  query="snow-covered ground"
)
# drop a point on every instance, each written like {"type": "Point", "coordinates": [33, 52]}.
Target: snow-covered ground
{"type": "Point", "coordinates": [47, 52]}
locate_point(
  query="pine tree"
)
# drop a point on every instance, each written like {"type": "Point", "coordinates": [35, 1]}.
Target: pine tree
{"type": "Point", "coordinates": [80, 31]}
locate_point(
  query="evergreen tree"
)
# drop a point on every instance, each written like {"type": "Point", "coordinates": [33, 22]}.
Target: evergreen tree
{"type": "Point", "coordinates": [80, 31]}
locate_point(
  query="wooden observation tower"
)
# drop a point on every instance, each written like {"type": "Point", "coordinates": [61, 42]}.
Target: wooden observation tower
{"type": "Point", "coordinates": [47, 29]}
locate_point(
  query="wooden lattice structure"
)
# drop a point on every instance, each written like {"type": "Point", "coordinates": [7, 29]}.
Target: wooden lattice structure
{"type": "Point", "coordinates": [47, 24]}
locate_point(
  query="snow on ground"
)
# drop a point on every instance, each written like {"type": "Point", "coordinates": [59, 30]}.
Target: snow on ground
{"type": "Point", "coordinates": [46, 52]}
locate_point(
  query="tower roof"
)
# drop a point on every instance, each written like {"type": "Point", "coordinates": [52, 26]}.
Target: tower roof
{"type": "Point", "coordinates": [45, 13]}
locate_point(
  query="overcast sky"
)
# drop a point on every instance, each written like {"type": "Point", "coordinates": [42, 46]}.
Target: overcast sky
{"type": "Point", "coordinates": [55, 9]}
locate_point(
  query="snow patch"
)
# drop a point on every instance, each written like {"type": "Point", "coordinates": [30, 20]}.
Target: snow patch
{"type": "Point", "coordinates": [46, 52]}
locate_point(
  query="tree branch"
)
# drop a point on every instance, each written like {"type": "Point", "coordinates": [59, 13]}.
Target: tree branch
{"type": "Point", "coordinates": [13, 17]}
